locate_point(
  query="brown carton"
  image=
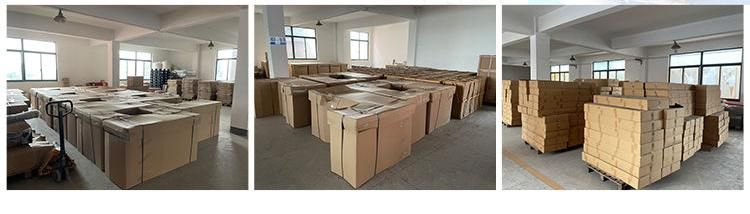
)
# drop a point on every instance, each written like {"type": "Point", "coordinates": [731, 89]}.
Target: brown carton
{"type": "Point", "coordinates": [294, 101]}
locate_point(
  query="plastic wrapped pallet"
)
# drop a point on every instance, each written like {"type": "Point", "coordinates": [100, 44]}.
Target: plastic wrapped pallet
{"type": "Point", "coordinates": [716, 130]}
{"type": "Point", "coordinates": [224, 91]}
{"type": "Point", "coordinates": [511, 115]}
{"type": "Point", "coordinates": [207, 90]}
{"type": "Point", "coordinates": [629, 138]}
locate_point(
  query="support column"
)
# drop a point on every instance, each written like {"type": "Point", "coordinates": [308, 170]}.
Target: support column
{"type": "Point", "coordinates": [411, 52]}
{"type": "Point", "coordinates": [278, 62]}
{"type": "Point", "coordinates": [539, 56]}
{"type": "Point", "coordinates": [239, 121]}
{"type": "Point", "coordinates": [113, 63]}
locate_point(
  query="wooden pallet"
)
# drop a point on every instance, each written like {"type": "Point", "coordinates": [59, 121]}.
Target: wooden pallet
{"type": "Point", "coordinates": [621, 185]}
{"type": "Point", "coordinates": [510, 126]}
{"type": "Point", "coordinates": [539, 152]}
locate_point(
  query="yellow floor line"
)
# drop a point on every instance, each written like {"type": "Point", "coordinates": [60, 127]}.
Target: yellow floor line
{"type": "Point", "coordinates": [546, 180]}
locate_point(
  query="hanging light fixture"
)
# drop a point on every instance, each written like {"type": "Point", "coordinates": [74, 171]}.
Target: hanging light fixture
{"type": "Point", "coordinates": [211, 45]}
{"type": "Point", "coordinates": [675, 46]}
{"type": "Point", "coordinates": [524, 63]}
{"type": "Point", "coordinates": [318, 24]}
{"type": "Point", "coordinates": [60, 18]}
{"type": "Point", "coordinates": [572, 58]}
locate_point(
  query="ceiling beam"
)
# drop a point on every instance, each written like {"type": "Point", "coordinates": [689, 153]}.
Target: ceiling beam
{"type": "Point", "coordinates": [46, 25]}
{"type": "Point", "coordinates": [567, 16]}
{"type": "Point", "coordinates": [117, 13]}
{"type": "Point", "coordinates": [510, 38]}
{"type": "Point", "coordinates": [720, 25]}
{"type": "Point", "coordinates": [323, 13]}
{"type": "Point", "coordinates": [512, 24]}
{"type": "Point", "coordinates": [591, 40]}
{"type": "Point", "coordinates": [407, 12]}
{"type": "Point", "coordinates": [192, 16]}
{"type": "Point", "coordinates": [572, 50]}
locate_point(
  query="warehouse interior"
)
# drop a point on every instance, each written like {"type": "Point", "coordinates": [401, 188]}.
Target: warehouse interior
{"type": "Point", "coordinates": [691, 46]}
{"type": "Point", "coordinates": [312, 62]}
{"type": "Point", "coordinates": [139, 56]}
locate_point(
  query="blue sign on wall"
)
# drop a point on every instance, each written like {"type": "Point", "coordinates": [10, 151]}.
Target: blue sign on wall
{"type": "Point", "coordinates": [278, 40]}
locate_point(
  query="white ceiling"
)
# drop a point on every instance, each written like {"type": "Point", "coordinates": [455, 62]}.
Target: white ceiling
{"type": "Point", "coordinates": [647, 18]}
{"type": "Point", "coordinates": [524, 45]}
{"type": "Point", "coordinates": [157, 9]}
{"type": "Point", "coordinates": [351, 16]}
{"type": "Point", "coordinates": [46, 11]}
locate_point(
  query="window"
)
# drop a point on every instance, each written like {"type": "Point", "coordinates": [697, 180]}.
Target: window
{"type": "Point", "coordinates": [359, 45]}
{"type": "Point", "coordinates": [715, 67]}
{"type": "Point", "coordinates": [560, 73]}
{"type": "Point", "coordinates": [226, 64]}
{"type": "Point", "coordinates": [133, 63]}
{"type": "Point", "coordinates": [612, 69]}
{"type": "Point", "coordinates": [301, 43]}
{"type": "Point", "coordinates": [31, 60]}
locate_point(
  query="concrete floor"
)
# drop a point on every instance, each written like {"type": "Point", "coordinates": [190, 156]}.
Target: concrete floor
{"type": "Point", "coordinates": [523, 169]}
{"type": "Point", "coordinates": [460, 155]}
{"type": "Point", "coordinates": [220, 165]}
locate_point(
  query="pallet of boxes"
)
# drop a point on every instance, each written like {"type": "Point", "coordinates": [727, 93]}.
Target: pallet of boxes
{"type": "Point", "coordinates": [207, 90]}
{"type": "Point", "coordinates": [224, 91]}
{"type": "Point", "coordinates": [716, 120]}
{"type": "Point", "coordinates": [552, 113]}
{"type": "Point", "coordinates": [174, 86]}
{"type": "Point", "coordinates": [487, 70]}
{"type": "Point", "coordinates": [633, 141]}
{"type": "Point", "coordinates": [511, 115]}
{"type": "Point", "coordinates": [189, 88]}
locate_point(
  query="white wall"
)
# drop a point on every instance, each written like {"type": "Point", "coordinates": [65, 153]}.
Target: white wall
{"type": "Point", "coordinates": [207, 61]}
{"type": "Point", "coordinates": [453, 37]}
{"type": "Point", "coordinates": [390, 43]}
{"type": "Point", "coordinates": [76, 59]}
{"type": "Point", "coordinates": [183, 60]}
{"type": "Point", "coordinates": [514, 72]}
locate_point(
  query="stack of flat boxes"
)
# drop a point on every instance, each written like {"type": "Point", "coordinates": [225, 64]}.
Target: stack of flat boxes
{"type": "Point", "coordinates": [633, 88]}
{"type": "Point", "coordinates": [716, 129]}
{"type": "Point", "coordinates": [511, 115]}
{"type": "Point", "coordinates": [677, 93]}
{"type": "Point", "coordinates": [552, 113]}
{"type": "Point", "coordinates": [716, 122]}
{"type": "Point", "coordinates": [626, 138]}
{"type": "Point", "coordinates": [609, 90]}
{"type": "Point", "coordinates": [692, 137]}
{"type": "Point", "coordinates": [707, 100]}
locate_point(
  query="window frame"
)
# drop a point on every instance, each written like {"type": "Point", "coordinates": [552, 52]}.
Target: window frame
{"type": "Point", "coordinates": [291, 37]}
{"type": "Point", "coordinates": [23, 61]}
{"type": "Point", "coordinates": [216, 68]}
{"type": "Point", "coordinates": [606, 71]}
{"type": "Point", "coordinates": [700, 67]}
{"type": "Point", "coordinates": [136, 60]}
{"type": "Point", "coordinates": [358, 41]}
{"type": "Point", "coordinates": [559, 72]}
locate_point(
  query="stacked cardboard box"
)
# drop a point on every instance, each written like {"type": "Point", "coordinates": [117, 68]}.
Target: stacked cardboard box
{"type": "Point", "coordinates": [487, 62]}
{"type": "Point", "coordinates": [189, 88]}
{"type": "Point", "coordinates": [630, 138]}
{"type": "Point", "coordinates": [207, 90]}
{"type": "Point", "coordinates": [174, 86]}
{"type": "Point", "coordinates": [681, 94]}
{"type": "Point", "coordinates": [633, 88]}
{"type": "Point", "coordinates": [369, 134]}
{"type": "Point", "coordinates": [298, 69]}
{"type": "Point", "coordinates": [491, 85]}
{"type": "Point", "coordinates": [707, 100]}
{"type": "Point", "coordinates": [267, 97]}
{"type": "Point", "coordinates": [224, 91]}
{"type": "Point", "coordinates": [692, 137]}
{"type": "Point", "coordinates": [716, 129]}
{"type": "Point", "coordinates": [341, 78]}
{"type": "Point", "coordinates": [511, 115]}
{"type": "Point", "coordinates": [552, 113]}
{"type": "Point", "coordinates": [136, 83]}
{"type": "Point", "coordinates": [609, 90]}
{"type": "Point", "coordinates": [295, 105]}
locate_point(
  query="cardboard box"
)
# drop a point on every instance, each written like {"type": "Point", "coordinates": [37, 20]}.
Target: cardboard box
{"type": "Point", "coordinates": [369, 133]}
{"type": "Point", "coordinates": [295, 104]}
{"type": "Point", "coordinates": [341, 78]}
{"type": "Point", "coordinates": [490, 86]}
{"type": "Point", "coordinates": [27, 158]}
{"type": "Point", "coordinates": [319, 106]}
{"type": "Point", "coordinates": [143, 144]}
{"type": "Point", "coordinates": [638, 103]}
{"type": "Point", "coordinates": [716, 129]}
{"type": "Point", "coordinates": [267, 97]}
{"type": "Point", "coordinates": [209, 112]}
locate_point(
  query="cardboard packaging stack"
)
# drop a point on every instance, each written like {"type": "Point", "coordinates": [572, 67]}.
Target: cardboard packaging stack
{"type": "Point", "coordinates": [681, 94]}
{"type": "Point", "coordinates": [369, 133]}
{"type": "Point", "coordinates": [25, 155]}
{"type": "Point", "coordinates": [224, 91]}
{"type": "Point", "coordinates": [487, 67]}
{"type": "Point", "coordinates": [267, 97]}
{"type": "Point", "coordinates": [341, 78]}
{"type": "Point", "coordinates": [207, 90]}
{"type": "Point", "coordinates": [552, 113]}
{"type": "Point", "coordinates": [298, 69]}
{"type": "Point", "coordinates": [209, 113]}
{"type": "Point", "coordinates": [609, 90]}
{"type": "Point", "coordinates": [511, 115]}
{"type": "Point", "coordinates": [692, 138]}
{"type": "Point", "coordinates": [136, 83]}
{"type": "Point", "coordinates": [469, 94]}
{"type": "Point", "coordinates": [716, 130]}
{"type": "Point", "coordinates": [635, 139]}
{"type": "Point", "coordinates": [295, 105]}
{"type": "Point", "coordinates": [174, 86]}
{"type": "Point", "coordinates": [189, 88]}
{"type": "Point", "coordinates": [633, 88]}
{"type": "Point", "coordinates": [143, 143]}
{"type": "Point", "coordinates": [707, 100]}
